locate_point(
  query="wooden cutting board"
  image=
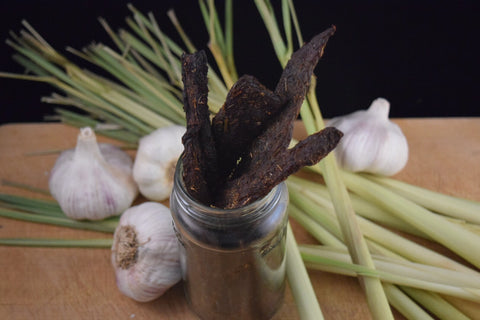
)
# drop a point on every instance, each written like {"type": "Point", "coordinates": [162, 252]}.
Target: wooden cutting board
{"type": "Point", "coordinates": [61, 283]}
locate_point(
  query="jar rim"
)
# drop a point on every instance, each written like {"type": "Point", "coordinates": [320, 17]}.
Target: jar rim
{"type": "Point", "coordinates": [215, 216]}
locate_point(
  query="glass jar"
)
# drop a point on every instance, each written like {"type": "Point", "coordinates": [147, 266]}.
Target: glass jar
{"type": "Point", "coordinates": [233, 261]}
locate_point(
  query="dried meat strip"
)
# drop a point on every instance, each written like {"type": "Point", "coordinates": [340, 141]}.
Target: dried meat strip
{"type": "Point", "coordinates": [269, 159]}
{"type": "Point", "coordinates": [248, 108]}
{"type": "Point", "coordinates": [199, 157]}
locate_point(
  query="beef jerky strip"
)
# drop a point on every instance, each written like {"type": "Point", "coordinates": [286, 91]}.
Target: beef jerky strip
{"type": "Point", "coordinates": [248, 107]}
{"type": "Point", "coordinates": [270, 161]}
{"type": "Point", "coordinates": [199, 157]}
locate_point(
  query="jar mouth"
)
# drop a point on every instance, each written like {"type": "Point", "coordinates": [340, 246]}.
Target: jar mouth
{"type": "Point", "coordinates": [216, 216]}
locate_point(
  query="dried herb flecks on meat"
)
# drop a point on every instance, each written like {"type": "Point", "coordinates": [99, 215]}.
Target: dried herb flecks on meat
{"type": "Point", "coordinates": [244, 152]}
{"type": "Point", "coordinates": [248, 108]}
{"type": "Point", "coordinates": [268, 160]}
{"type": "Point", "coordinates": [199, 158]}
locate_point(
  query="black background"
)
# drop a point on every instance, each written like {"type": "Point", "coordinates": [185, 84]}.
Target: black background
{"type": "Point", "coordinates": [420, 55]}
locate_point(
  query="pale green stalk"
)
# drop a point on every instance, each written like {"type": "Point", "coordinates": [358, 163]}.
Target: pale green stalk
{"type": "Point", "coordinates": [400, 301]}
{"type": "Point", "coordinates": [314, 228]}
{"type": "Point", "coordinates": [57, 243]}
{"type": "Point", "coordinates": [463, 209]}
{"type": "Point", "coordinates": [379, 238]}
{"type": "Point", "coordinates": [436, 304]}
{"type": "Point", "coordinates": [300, 284]}
{"type": "Point", "coordinates": [59, 221]}
{"type": "Point", "coordinates": [362, 207]}
{"type": "Point", "coordinates": [319, 258]}
{"type": "Point", "coordinates": [460, 240]}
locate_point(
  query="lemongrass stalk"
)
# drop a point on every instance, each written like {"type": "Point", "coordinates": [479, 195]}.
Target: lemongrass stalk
{"type": "Point", "coordinates": [300, 284]}
{"type": "Point", "coordinates": [403, 268]}
{"type": "Point", "coordinates": [229, 38]}
{"type": "Point", "coordinates": [314, 228]}
{"type": "Point", "coordinates": [58, 221]}
{"type": "Point", "coordinates": [469, 308]}
{"type": "Point", "coordinates": [156, 48]}
{"type": "Point", "coordinates": [379, 239]}
{"type": "Point", "coordinates": [361, 206]}
{"type": "Point", "coordinates": [216, 50]}
{"type": "Point", "coordinates": [436, 304]}
{"type": "Point", "coordinates": [287, 26]}
{"type": "Point", "coordinates": [315, 260]}
{"type": "Point", "coordinates": [460, 240]}
{"type": "Point", "coordinates": [186, 40]}
{"type": "Point", "coordinates": [395, 297]}
{"type": "Point", "coordinates": [376, 297]}
{"type": "Point", "coordinates": [168, 53]}
{"type": "Point", "coordinates": [24, 186]}
{"type": "Point", "coordinates": [268, 16]}
{"type": "Point", "coordinates": [163, 101]}
{"type": "Point", "coordinates": [404, 304]}
{"type": "Point", "coordinates": [463, 209]}
{"type": "Point", "coordinates": [57, 243]}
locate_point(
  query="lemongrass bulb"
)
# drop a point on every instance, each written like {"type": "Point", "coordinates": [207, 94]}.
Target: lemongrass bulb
{"type": "Point", "coordinates": [93, 181]}
{"type": "Point", "coordinates": [155, 162]}
{"type": "Point", "coordinates": [371, 142]}
{"type": "Point", "coordinates": [145, 253]}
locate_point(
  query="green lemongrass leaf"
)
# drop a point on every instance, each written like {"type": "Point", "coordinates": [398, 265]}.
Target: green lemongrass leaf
{"type": "Point", "coordinates": [211, 20]}
{"type": "Point", "coordinates": [354, 239]}
{"type": "Point", "coordinates": [404, 304]}
{"type": "Point", "coordinates": [229, 38]}
{"type": "Point", "coordinates": [455, 207]}
{"type": "Point", "coordinates": [24, 186]}
{"type": "Point", "coordinates": [186, 40]}
{"type": "Point", "coordinates": [436, 304]}
{"type": "Point", "coordinates": [173, 61]}
{"type": "Point", "coordinates": [287, 26]}
{"type": "Point", "coordinates": [296, 25]}
{"type": "Point", "coordinates": [57, 243]}
{"type": "Point", "coordinates": [379, 239]}
{"type": "Point", "coordinates": [314, 228]}
{"type": "Point", "coordinates": [300, 285]}
{"type": "Point", "coordinates": [343, 265]}
{"type": "Point", "coordinates": [129, 116]}
{"type": "Point", "coordinates": [361, 206]}
{"type": "Point", "coordinates": [161, 99]}
{"type": "Point", "coordinates": [458, 239]}
{"type": "Point", "coordinates": [268, 16]}
{"type": "Point", "coordinates": [107, 226]}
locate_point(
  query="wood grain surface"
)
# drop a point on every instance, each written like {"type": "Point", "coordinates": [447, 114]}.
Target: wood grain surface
{"type": "Point", "coordinates": [62, 283]}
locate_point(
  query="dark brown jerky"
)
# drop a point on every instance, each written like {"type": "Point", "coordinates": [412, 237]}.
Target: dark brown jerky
{"type": "Point", "coordinates": [248, 108]}
{"type": "Point", "coordinates": [254, 185]}
{"type": "Point", "coordinates": [268, 159]}
{"type": "Point", "coordinates": [199, 157]}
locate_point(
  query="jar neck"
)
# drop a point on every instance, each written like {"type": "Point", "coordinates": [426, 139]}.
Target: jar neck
{"type": "Point", "coordinates": [214, 217]}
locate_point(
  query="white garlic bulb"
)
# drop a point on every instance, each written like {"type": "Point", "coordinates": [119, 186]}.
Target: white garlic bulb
{"type": "Point", "coordinates": [371, 142]}
{"type": "Point", "coordinates": [145, 253]}
{"type": "Point", "coordinates": [155, 162]}
{"type": "Point", "coordinates": [93, 181]}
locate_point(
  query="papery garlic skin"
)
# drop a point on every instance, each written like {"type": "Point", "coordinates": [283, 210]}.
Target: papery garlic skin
{"type": "Point", "coordinates": [371, 142]}
{"type": "Point", "coordinates": [93, 181]}
{"type": "Point", "coordinates": [145, 252]}
{"type": "Point", "coordinates": [155, 162]}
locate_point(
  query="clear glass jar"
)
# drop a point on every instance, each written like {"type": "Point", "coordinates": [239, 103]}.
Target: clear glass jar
{"type": "Point", "coordinates": [233, 261]}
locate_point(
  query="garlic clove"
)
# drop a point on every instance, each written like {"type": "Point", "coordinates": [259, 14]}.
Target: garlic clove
{"type": "Point", "coordinates": [155, 162]}
{"type": "Point", "coordinates": [93, 181]}
{"type": "Point", "coordinates": [371, 142]}
{"type": "Point", "coordinates": [145, 253]}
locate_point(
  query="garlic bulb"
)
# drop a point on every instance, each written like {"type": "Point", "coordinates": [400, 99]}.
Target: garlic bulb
{"type": "Point", "coordinates": [145, 252]}
{"type": "Point", "coordinates": [371, 142]}
{"type": "Point", "coordinates": [155, 162]}
{"type": "Point", "coordinates": [93, 181]}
